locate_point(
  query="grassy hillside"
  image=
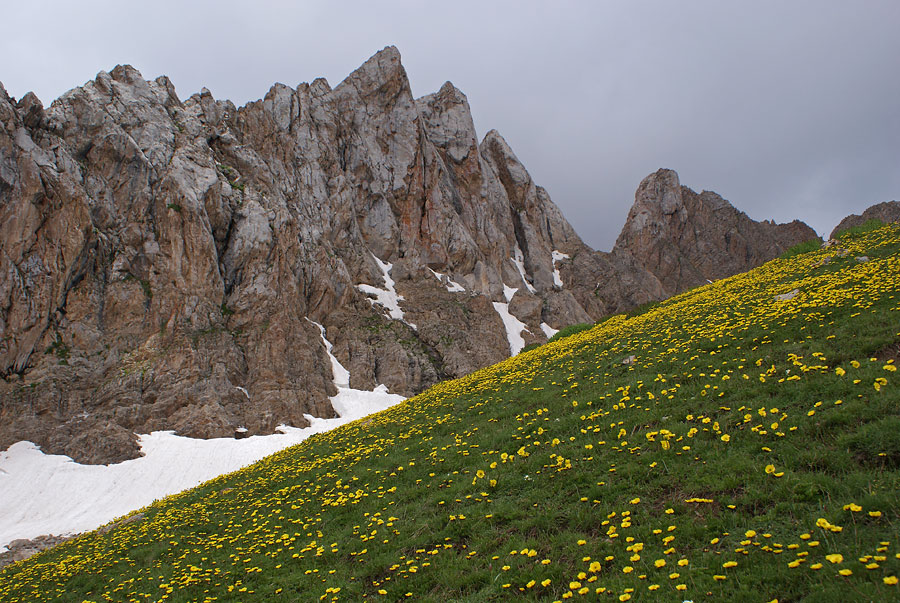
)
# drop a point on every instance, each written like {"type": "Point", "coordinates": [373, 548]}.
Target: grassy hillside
{"type": "Point", "coordinates": [749, 452]}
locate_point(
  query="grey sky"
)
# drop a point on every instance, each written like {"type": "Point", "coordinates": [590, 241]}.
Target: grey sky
{"type": "Point", "coordinates": [789, 109]}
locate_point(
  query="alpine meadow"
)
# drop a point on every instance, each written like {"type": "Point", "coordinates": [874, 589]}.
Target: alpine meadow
{"type": "Point", "coordinates": [739, 441]}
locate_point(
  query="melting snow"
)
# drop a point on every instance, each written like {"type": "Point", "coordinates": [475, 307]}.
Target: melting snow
{"type": "Point", "coordinates": [557, 256]}
{"type": "Point", "coordinates": [340, 375]}
{"type": "Point", "coordinates": [52, 494]}
{"type": "Point", "coordinates": [452, 286]}
{"type": "Point", "coordinates": [548, 330]}
{"type": "Point", "coordinates": [519, 260]}
{"type": "Point", "coordinates": [387, 297]}
{"type": "Point", "coordinates": [352, 404]}
{"type": "Point", "coordinates": [514, 326]}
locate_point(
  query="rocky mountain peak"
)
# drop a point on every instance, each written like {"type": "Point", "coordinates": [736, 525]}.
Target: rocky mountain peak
{"type": "Point", "coordinates": [659, 192]}
{"type": "Point", "coordinates": [448, 121]}
{"type": "Point", "coordinates": [166, 263]}
{"type": "Point", "coordinates": [687, 239]}
{"type": "Point", "coordinates": [888, 211]}
{"type": "Point", "coordinates": [382, 75]}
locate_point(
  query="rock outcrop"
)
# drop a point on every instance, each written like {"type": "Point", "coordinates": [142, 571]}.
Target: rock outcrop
{"type": "Point", "coordinates": [886, 212]}
{"type": "Point", "coordinates": [687, 239]}
{"type": "Point", "coordinates": [21, 549]}
{"type": "Point", "coordinates": [164, 261]}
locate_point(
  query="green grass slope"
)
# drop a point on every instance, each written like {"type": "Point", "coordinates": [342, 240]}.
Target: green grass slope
{"type": "Point", "coordinates": [750, 452]}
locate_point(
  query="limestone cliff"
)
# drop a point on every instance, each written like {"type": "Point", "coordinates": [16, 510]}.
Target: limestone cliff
{"type": "Point", "coordinates": [687, 239]}
{"type": "Point", "coordinates": [162, 261]}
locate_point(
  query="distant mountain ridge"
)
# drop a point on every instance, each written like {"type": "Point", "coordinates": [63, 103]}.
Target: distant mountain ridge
{"type": "Point", "coordinates": [160, 257]}
{"type": "Point", "coordinates": [687, 239]}
{"type": "Point", "coordinates": [886, 212]}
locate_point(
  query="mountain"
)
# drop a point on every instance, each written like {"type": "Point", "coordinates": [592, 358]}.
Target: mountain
{"type": "Point", "coordinates": [167, 263]}
{"type": "Point", "coordinates": [886, 212]}
{"type": "Point", "coordinates": [687, 239]}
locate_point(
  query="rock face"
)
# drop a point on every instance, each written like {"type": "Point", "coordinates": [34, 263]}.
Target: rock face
{"type": "Point", "coordinates": [886, 212]}
{"type": "Point", "coordinates": [687, 239]}
{"type": "Point", "coordinates": [164, 261]}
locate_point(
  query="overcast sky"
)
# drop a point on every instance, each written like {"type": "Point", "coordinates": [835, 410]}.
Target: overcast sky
{"type": "Point", "coordinates": [789, 109]}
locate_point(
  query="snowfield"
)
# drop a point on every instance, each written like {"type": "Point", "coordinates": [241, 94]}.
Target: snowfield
{"type": "Point", "coordinates": [52, 494]}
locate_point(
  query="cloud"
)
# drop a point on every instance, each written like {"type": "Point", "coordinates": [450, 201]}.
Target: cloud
{"type": "Point", "coordinates": [786, 109]}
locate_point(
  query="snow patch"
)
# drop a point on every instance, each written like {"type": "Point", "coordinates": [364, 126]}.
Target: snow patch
{"type": "Point", "coordinates": [52, 494]}
{"type": "Point", "coordinates": [558, 256]}
{"type": "Point", "coordinates": [351, 404]}
{"type": "Point", "coordinates": [514, 326]}
{"type": "Point", "coordinates": [548, 330]}
{"type": "Point", "coordinates": [452, 287]}
{"type": "Point", "coordinates": [519, 260]}
{"type": "Point", "coordinates": [387, 297]}
{"type": "Point", "coordinates": [340, 375]}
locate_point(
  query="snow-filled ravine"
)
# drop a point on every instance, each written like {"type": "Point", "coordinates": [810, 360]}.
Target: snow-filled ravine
{"type": "Point", "coordinates": [558, 256]}
{"type": "Point", "coordinates": [387, 297]}
{"type": "Point", "coordinates": [513, 325]}
{"type": "Point", "coordinates": [52, 494]}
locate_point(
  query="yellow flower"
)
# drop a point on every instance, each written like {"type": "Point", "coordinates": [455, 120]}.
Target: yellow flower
{"type": "Point", "coordinates": [846, 572]}
{"type": "Point", "coordinates": [750, 533]}
{"type": "Point", "coordinates": [660, 563]}
{"type": "Point", "coordinates": [729, 564]}
{"type": "Point", "coordinates": [839, 372]}
{"type": "Point", "coordinates": [770, 469]}
{"type": "Point", "coordinates": [835, 558]}
{"type": "Point", "coordinates": [890, 580]}
{"type": "Point", "coordinates": [546, 582]}
{"type": "Point", "coordinates": [725, 437]}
